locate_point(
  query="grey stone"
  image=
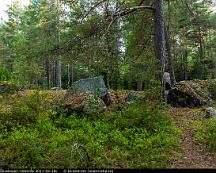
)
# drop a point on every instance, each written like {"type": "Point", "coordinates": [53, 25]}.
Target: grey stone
{"type": "Point", "coordinates": [210, 112]}
{"type": "Point", "coordinates": [166, 78]}
{"type": "Point", "coordinates": [86, 103]}
{"type": "Point", "coordinates": [130, 98]}
{"type": "Point", "coordinates": [55, 88]}
{"type": "Point", "coordinates": [93, 86]}
{"type": "Point", "coordinates": [191, 94]}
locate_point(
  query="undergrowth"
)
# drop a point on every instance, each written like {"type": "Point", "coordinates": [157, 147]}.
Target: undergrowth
{"type": "Point", "coordinates": [33, 135]}
{"type": "Point", "coordinates": [206, 133]}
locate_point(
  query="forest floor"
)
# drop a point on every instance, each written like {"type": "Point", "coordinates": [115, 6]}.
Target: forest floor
{"type": "Point", "coordinates": [191, 153]}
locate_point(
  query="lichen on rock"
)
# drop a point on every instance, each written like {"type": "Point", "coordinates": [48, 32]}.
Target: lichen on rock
{"type": "Point", "coordinates": [94, 105]}
{"type": "Point", "coordinates": [84, 102]}
{"type": "Point", "coordinates": [192, 93]}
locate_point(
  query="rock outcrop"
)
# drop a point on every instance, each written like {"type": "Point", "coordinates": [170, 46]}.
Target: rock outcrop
{"type": "Point", "coordinates": [192, 93]}
{"type": "Point", "coordinates": [88, 96]}
{"type": "Point", "coordinates": [85, 103]}
{"type": "Point", "coordinates": [94, 86]}
{"type": "Point", "coordinates": [92, 97]}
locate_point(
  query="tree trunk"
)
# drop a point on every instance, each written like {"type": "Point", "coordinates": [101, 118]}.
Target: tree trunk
{"type": "Point", "coordinates": [170, 66]}
{"type": "Point", "coordinates": [89, 69]}
{"type": "Point", "coordinates": [58, 61]}
{"type": "Point", "coordinates": [201, 58]}
{"type": "Point", "coordinates": [185, 57]}
{"type": "Point", "coordinates": [72, 74]}
{"type": "Point", "coordinates": [108, 78]}
{"type": "Point", "coordinates": [211, 65]}
{"type": "Point", "coordinates": [53, 74]}
{"type": "Point", "coordinates": [160, 39]}
{"type": "Point", "coordinates": [48, 74]}
{"type": "Point", "coordinates": [58, 73]}
{"type": "Point", "coordinates": [69, 75]}
{"type": "Point", "coordinates": [139, 86]}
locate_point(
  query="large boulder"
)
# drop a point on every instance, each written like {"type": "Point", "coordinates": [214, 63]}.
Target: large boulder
{"type": "Point", "coordinates": [85, 103]}
{"type": "Point", "coordinates": [94, 105]}
{"type": "Point", "coordinates": [192, 93]}
{"type": "Point", "coordinates": [94, 86]}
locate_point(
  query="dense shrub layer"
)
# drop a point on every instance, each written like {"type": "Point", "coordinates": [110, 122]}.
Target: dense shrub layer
{"type": "Point", "coordinates": [206, 133]}
{"type": "Point", "coordinates": [32, 135]}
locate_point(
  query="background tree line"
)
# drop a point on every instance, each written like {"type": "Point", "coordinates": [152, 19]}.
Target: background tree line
{"type": "Point", "coordinates": [52, 43]}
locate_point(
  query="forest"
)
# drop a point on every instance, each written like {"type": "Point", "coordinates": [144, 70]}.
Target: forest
{"type": "Point", "coordinates": [115, 84]}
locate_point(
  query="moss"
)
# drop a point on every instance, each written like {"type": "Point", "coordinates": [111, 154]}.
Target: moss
{"type": "Point", "coordinates": [194, 92]}
{"type": "Point", "coordinates": [94, 105]}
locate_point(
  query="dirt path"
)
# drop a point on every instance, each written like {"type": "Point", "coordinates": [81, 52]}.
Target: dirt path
{"type": "Point", "coordinates": [191, 154]}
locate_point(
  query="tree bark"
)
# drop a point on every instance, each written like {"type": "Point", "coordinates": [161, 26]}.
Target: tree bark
{"type": "Point", "coordinates": [160, 40]}
{"type": "Point", "coordinates": [170, 66]}
{"type": "Point", "coordinates": [69, 75]}
{"type": "Point", "coordinates": [185, 61]}
{"type": "Point", "coordinates": [58, 61]}
{"type": "Point", "coordinates": [72, 74]}
{"type": "Point", "coordinates": [48, 74]}
{"type": "Point", "coordinates": [58, 73]}
{"type": "Point", "coordinates": [89, 69]}
{"type": "Point", "coordinates": [53, 74]}
{"type": "Point", "coordinates": [139, 86]}
{"type": "Point", "coordinates": [201, 57]}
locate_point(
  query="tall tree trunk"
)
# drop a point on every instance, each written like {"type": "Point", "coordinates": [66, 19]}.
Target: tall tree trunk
{"type": "Point", "coordinates": [170, 56]}
{"type": "Point", "coordinates": [89, 69]}
{"type": "Point", "coordinates": [108, 78]}
{"type": "Point", "coordinates": [58, 74]}
{"type": "Point", "coordinates": [69, 75]}
{"type": "Point", "coordinates": [211, 64]}
{"type": "Point", "coordinates": [48, 74]}
{"type": "Point", "coordinates": [139, 86]}
{"type": "Point", "coordinates": [58, 61]}
{"type": "Point", "coordinates": [185, 60]}
{"type": "Point", "coordinates": [72, 74]}
{"type": "Point", "coordinates": [201, 57]}
{"type": "Point", "coordinates": [160, 39]}
{"type": "Point", "coordinates": [170, 66]}
{"type": "Point", "coordinates": [53, 74]}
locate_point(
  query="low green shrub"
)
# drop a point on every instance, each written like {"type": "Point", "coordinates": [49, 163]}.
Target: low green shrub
{"type": "Point", "coordinates": [141, 135]}
{"type": "Point", "coordinates": [206, 133]}
{"type": "Point", "coordinates": [22, 149]}
{"type": "Point", "coordinates": [5, 75]}
{"type": "Point", "coordinates": [7, 88]}
{"type": "Point", "coordinates": [212, 90]}
{"type": "Point", "coordinates": [25, 110]}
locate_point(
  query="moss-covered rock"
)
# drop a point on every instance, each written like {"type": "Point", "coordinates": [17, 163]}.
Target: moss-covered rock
{"type": "Point", "coordinates": [74, 103]}
{"type": "Point", "coordinates": [94, 105]}
{"type": "Point", "coordinates": [84, 102]}
{"type": "Point", "coordinates": [123, 96]}
{"type": "Point", "coordinates": [192, 93]}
